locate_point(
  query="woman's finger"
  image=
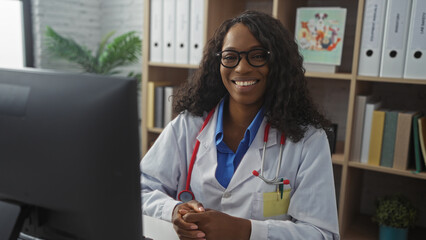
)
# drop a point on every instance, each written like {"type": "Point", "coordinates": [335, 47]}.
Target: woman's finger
{"type": "Point", "coordinates": [197, 206]}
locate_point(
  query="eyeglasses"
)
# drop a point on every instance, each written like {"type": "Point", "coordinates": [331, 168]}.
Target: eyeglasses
{"type": "Point", "coordinates": [255, 57]}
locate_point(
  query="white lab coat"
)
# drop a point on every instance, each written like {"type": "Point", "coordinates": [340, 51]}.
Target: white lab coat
{"type": "Point", "coordinates": [312, 213]}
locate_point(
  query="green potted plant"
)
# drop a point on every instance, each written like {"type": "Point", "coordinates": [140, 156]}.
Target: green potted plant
{"type": "Point", "coordinates": [395, 214]}
{"type": "Point", "coordinates": [121, 51]}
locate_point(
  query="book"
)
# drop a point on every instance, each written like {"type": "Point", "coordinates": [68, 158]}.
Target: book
{"type": "Point", "coordinates": [389, 135]}
{"type": "Point", "coordinates": [319, 34]}
{"type": "Point", "coordinates": [376, 137]}
{"type": "Point", "coordinates": [358, 125]}
{"type": "Point", "coordinates": [403, 140]}
{"type": "Point", "coordinates": [366, 131]}
{"type": "Point", "coordinates": [419, 163]}
{"type": "Point", "coordinates": [158, 107]}
{"type": "Point", "coordinates": [332, 138]}
{"type": "Point", "coordinates": [150, 107]}
{"type": "Point", "coordinates": [168, 104]}
{"type": "Point", "coordinates": [422, 136]}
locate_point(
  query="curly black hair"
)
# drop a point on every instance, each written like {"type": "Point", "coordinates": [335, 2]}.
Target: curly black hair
{"type": "Point", "coordinates": [288, 105]}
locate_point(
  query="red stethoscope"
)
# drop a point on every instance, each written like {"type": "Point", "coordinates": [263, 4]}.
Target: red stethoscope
{"type": "Point", "coordinates": [187, 195]}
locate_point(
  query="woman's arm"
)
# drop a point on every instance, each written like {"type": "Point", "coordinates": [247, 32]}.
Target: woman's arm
{"type": "Point", "coordinates": [163, 174]}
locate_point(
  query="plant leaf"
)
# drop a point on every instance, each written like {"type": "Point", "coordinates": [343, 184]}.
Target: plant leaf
{"type": "Point", "coordinates": [123, 50]}
{"type": "Point", "coordinates": [67, 48]}
{"type": "Point", "coordinates": [103, 43]}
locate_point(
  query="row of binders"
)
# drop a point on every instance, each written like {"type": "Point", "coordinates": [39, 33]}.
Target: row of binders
{"type": "Point", "coordinates": [160, 109]}
{"type": "Point", "coordinates": [177, 31]}
{"type": "Point", "coordinates": [393, 42]}
{"type": "Point", "coordinates": [388, 138]}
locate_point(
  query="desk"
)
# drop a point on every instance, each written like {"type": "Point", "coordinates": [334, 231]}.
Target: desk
{"type": "Point", "coordinates": [158, 229]}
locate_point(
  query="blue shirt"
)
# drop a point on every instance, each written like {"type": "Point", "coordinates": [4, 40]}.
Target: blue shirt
{"type": "Point", "coordinates": [227, 160]}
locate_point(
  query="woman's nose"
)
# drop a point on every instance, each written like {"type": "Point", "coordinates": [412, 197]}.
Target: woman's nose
{"type": "Point", "coordinates": [243, 66]}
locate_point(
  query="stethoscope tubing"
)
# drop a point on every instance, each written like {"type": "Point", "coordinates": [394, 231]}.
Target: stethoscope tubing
{"type": "Point", "coordinates": [275, 180]}
{"type": "Point", "coordinates": [194, 153]}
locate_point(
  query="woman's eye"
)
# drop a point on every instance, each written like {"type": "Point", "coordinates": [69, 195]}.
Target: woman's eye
{"type": "Point", "coordinates": [229, 57]}
{"type": "Point", "coordinates": [258, 56]}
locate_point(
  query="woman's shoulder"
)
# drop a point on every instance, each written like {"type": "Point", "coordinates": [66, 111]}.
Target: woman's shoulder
{"type": "Point", "coordinates": [313, 133]}
{"type": "Point", "coordinates": [186, 121]}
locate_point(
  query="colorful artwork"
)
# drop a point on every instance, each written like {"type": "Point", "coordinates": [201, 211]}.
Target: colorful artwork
{"type": "Point", "coordinates": [319, 34]}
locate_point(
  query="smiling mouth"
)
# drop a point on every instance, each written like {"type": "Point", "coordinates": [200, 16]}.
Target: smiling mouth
{"type": "Point", "coordinates": [245, 83]}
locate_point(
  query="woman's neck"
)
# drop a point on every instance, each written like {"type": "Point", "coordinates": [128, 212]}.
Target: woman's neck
{"type": "Point", "coordinates": [236, 119]}
{"type": "Point", "coordinates": [239, 115]}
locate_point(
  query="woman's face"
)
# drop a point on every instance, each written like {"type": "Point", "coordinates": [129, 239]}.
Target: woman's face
{"type": "Point", "coordinates": [246, 84]}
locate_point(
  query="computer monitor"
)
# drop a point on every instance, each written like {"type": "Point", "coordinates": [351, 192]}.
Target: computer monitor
{"type": "Point", "coordinates": [69, 156]}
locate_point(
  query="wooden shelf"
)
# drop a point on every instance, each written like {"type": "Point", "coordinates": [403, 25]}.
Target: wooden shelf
{"type": "Point", "coordinates": [172, 65]}
{"type": "Point", "coordinates": [392, 80]}
{"type": "Point", "coordinates": [155, 130]}
{"type": "Point", "coordinates": [406, 173]}
{"type": "Point", "coordinates": [337, 159]}
{"type": "Point", "coordinates": [339, 156]}
{"type": "Point", "coordinates": [338, 76]}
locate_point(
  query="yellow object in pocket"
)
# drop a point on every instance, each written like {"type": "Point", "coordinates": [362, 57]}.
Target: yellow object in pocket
{"type": "Point", "coordinates": [273, 205]}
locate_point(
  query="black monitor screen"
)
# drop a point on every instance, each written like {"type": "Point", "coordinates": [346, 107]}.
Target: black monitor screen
{"type": "Point", "coordinates": [69, 154]}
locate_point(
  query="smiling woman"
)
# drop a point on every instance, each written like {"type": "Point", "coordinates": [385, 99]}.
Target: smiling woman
{"type": "Point", "coordinates": [245, 117]}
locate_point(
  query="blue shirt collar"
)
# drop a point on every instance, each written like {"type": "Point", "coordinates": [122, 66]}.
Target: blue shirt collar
{"type": "Point", "coordinates": [251, 131]}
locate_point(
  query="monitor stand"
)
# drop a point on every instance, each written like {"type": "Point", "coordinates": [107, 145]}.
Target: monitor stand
{"type": "Point", "coordinates": [11, 219]}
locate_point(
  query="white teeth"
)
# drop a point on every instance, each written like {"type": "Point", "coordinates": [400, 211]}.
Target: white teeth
{"type": "Point", "coordinates": [245, 83]}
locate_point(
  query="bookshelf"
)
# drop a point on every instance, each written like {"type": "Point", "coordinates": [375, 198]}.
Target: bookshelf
{"type": "Point", "coordinates": [335, 94]}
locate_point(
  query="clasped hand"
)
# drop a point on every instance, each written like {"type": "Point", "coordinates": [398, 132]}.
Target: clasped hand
{"type": "Point", "coordinates": [191, 221]}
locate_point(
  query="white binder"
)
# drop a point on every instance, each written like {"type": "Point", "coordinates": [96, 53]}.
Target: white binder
{"type": "Point", "coordinates": [169, 31]}
{"type": "Point", "coordinates": [415, 62]}
{"type": "Point", "coordinates": [156, 31]}
{"type": "Point", "coordinates": [182, 31]}
{"type": "Point", "coordinates": [395, 38]}
{"type": "Point", "coordinates": [372, 37]}
{"type": "Point", "coordinates": [196, 31]}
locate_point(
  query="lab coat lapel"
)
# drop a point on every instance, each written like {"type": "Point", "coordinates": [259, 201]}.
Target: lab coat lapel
{"type": "Point", "coordinates": [207, 139]}
{"type": "Point", "coordinates": [207, 153]}
{"type": "Point", "coordinates": [252, 160]}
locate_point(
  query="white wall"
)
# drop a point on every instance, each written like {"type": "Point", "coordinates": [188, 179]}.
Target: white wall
{"type": "Point", "coordinates": [123, 16]}
{"type": "Point", "coordinates": [85, 21]}
{"type": "Point", "coordinates": [11, 51]}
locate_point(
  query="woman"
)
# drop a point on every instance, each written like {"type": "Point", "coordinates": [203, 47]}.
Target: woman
{"type": "Point", "coordinates": [250, 80]}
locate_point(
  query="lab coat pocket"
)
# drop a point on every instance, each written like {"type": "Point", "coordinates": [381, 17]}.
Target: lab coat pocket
{"type": "Point", "coordinates": [270, 205]}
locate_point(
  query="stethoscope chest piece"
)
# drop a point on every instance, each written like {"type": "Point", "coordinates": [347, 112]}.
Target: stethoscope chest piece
{"type": "Point", "coordinates": [186, 196]}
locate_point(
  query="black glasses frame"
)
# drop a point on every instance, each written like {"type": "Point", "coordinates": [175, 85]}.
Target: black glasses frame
{"type": "Point", "coordinates": [219, 54]}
